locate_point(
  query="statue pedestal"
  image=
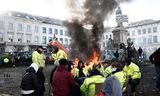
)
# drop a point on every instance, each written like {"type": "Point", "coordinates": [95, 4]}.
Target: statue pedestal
{"type": "Point", "coordinates": [119, 36]}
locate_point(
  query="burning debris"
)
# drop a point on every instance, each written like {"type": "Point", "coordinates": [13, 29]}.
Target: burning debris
{"type": "Point", "coordinates": [92, 13]}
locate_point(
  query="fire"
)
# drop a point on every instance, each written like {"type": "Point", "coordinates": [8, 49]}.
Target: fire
{"type": "Point", "coordinates": [75, 61]}
{"type": "Point", "coordinates": [95, 57]}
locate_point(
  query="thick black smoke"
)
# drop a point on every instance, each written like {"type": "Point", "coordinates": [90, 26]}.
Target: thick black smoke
{"type": "Point", "coordinates": [91, 12]}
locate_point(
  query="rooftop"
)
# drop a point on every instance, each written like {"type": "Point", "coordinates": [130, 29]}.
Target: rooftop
{"type": "Point", "coordinates": [143, 22]}
{"type": "Point", "coordinates": [46, 20]}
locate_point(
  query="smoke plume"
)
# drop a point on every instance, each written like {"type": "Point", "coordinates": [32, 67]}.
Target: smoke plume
{"type": "Point", "coordinates": [90, 13]}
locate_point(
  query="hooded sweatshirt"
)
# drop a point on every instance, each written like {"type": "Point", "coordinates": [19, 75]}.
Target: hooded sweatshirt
{"type": "Point", "coordinates": [29, 79]}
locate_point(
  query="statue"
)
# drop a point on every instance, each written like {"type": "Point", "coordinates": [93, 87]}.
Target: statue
{"type": "Point", "coordinates": [110, 43]}
{"type": "Point", "coordinates": [118, 17]}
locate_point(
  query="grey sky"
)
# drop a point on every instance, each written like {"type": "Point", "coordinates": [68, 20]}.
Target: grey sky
{"type": "Point", "coordinates": [136, 10]}
{"type": "Point", "coordinates": [139, 10]}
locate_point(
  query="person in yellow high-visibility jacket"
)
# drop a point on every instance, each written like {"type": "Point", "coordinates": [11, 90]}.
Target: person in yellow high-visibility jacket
{"type": "Point", "coordinates": [75, 71]}
{"type": "Point", "coordinates": [38, 57]}
{"type": "Point", "coordinates": [58, 54]}
{"type": "Point", "coordinates": [108, 71]}
{"type": "Point", "coordinates": [117, 70]}
{"type": "Point", "coordinates": [94, 77]}
{"type": "Point", "coordinates": [113, 84]}
{"type": "Point", "coordinates": [99, 67]}
{"type": "Point", "coordinates": [133, 71]}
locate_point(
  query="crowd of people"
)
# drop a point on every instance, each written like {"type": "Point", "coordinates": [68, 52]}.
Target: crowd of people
{"type": "Point", "coordinates": [68, 79]}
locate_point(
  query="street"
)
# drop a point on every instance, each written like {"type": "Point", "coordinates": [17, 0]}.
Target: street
{"type": "Point", "coordinates": [10, 79]}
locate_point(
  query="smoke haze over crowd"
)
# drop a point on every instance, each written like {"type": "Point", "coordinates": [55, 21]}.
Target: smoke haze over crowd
{"type": "Point", "coordinates": [88, 13]}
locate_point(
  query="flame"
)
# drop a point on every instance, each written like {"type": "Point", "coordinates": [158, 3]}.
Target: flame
{"type": "Point", "coordinates": [75, 61]}
{"type": "Point", "coordinates": [95, 57]}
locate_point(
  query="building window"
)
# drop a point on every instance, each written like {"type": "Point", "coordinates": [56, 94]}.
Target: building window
{"type": "Point", "coordinates": [50, 30]}
{"type": "Point", "coordinates": [56, 31]}
{"type": "Point", "coordinates": [44, 40]}
{"type": "Point", "coordinates": [149, 39]}
{"type": "Point", "coordinates": [19, 27]}
{"type": "Point", "coordinates": [110, 36]}
{"type": "Point", "coordinates": [19, 37]}
{"type": "Point", "coordinates": [139, 41]}
{"type": "Point", "coordinates": [10, 37]}
{"type": "Point", "coordinates": [44, 29]}
{"type": "Point", "coordinates": [10, 26]}
{"type": "Point", "coordinates": [36, 29]}
{"type": "Point", "coordinates": [66, 41]}
{"type": "Point", "coordinates": [155, 39]}
{"type": "Point", "coordinates": [149, 30]}
{"type": "Point", "coordinates": [139, 32]}
{"type": "Point", "coordinates": [144, 40]}
{"type": "Point", "coordinates": [49, 39]}
{"type": "Point", "coordinates": [36, 39]}
{"type": "Point", "coordinates": [61, 40]}
{"type": "Point", "coordinates": [66, 33]}
{"type": "Point", "coordinates": [1, 36]}
{"type": "Point", "coordinates": [1, 25]}
{"type": "Point", "coordinates": [133, 33]}
{"type": "Point", "coordinates": [144, 31]}
{"type": "Point", "coordinates": [28, 38]}
{"type": "Point", "coordinates": [61, 32]}
{"type": "Point", "coordinates": [103, 44]}
{"type": "Point", "coordinates": [154, 29]}
{"type": "Point", "coordinates": [28, 28]}
{"type": "Point", "coordinates": [128, 34]}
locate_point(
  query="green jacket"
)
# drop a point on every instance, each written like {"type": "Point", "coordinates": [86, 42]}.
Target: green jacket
{"type": "Point", "coordinates": [85, 88]}
{"type": "Point", "coordinates": [38, 59]}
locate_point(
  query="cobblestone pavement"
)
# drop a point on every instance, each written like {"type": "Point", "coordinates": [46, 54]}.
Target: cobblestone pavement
{"type": "Point", "coordinates": [10, 79]}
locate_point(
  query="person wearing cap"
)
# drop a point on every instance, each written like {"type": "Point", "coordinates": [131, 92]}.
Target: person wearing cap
{"type": "Point", "coordinates": [29, 83]}
{"type": "Point", "coordinates": [38, 58]}
{"type": "Point", "coordinates": [62, 80]}
{"type": "Point", "coordinates": [134, 74]}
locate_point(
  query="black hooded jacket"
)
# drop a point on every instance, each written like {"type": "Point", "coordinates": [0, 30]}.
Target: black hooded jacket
{"type": "Point", "coordinates": [29, 80]}
{"type": "Point", "coordinates": [155, 58]}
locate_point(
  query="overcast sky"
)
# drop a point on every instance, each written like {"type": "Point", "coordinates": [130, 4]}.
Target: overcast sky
{"type": "Point", "coordinates": [136, 10]}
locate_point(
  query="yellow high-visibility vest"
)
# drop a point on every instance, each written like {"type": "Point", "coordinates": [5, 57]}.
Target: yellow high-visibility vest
{"type": "Point", "coordinates": [38, 59]}
{"type": "Point", "coordinates": [121, 75]}
{"type": "Point", "coordinates": [133, 71]}
{"type": "Point", "coordinates": [85, 88]}
{"type": "Point", "coordinates": [59, 55]}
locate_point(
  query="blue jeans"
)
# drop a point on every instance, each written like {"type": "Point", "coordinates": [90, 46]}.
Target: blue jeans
{"type": "Point", "coordinates": [157, 76]}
